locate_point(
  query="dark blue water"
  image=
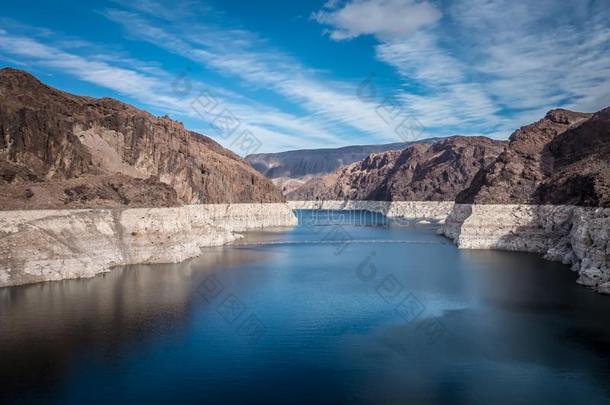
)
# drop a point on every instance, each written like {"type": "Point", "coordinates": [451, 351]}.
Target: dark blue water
{"type": "Point", "coordinates": [326, 312]}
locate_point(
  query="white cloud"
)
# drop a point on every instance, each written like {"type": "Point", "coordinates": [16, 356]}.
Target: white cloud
{"type": "Point", "coordinates": [540, 55]}
{"type": "Point", "coordinates": [232, 52]}
{"type": "Point", "coordinates": [152, 87]}
{"type": "Point", "coordinates": [488, 67]}
{"type": "Point", "coordinates": [420, 58]}
{"type": "Point", "coordinates": [178, 9]}
{"type": "Point", "coordinates": [445, 100]}
{"type": "Point", "coordinates": [494, 65]}
{"type": "Point", "coordinates": [382, 18]}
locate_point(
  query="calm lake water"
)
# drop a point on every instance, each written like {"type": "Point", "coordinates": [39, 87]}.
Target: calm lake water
{"type": "Point", "coordinates": [341, 309]}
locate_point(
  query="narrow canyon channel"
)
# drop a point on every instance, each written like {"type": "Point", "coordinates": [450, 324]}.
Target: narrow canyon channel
{"type": "Point", "coordinates": [346, 307]}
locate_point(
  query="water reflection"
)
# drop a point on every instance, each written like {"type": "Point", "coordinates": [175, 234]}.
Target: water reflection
{"type": "Point", "coordinates": [515, 328]}
{"type": "Point", "coordinates": [46, 327]}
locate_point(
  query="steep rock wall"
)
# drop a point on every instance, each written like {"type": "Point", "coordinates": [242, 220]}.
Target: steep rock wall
{"type": "Point", "coordinates": [421, 172]}
{"type": "Point", "coordinates": [579, 236]}
{"type": "Point", "coordinates": [435, 211]}
{"type": "Point", "coordinates": [46, 245]}
{"type": "Point", "coordinates": [59, 151]}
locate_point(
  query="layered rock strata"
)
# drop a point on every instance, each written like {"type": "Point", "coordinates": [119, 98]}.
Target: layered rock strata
{"type": "Point", "coordinates": [58, 150]}
{"type": "Point", "coordinates": [563, 159]}
{"type": "Point", "coordinates": [433, 211]}
{"type": "Point", "coordinates": [579, 236]}
{"type": "Point", "coordinates": [46, 245]}
{"type": "Point", "coordinates": [421, 172]}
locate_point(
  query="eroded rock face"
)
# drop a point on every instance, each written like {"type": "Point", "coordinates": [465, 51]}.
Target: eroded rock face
{"type": "Point", "coordinates": [412, 211]}
{"type": "Point", "coordinates": [359, 180]}
{"type": "Point", "coordinates": [316, 162]}
{"type": "Point", "coordinates": [46, 245]}
{"type": "Point", "coordinates": [579, 236]}
{"type": "Point", "coordinates": [580, 159]}
{"type": "Point", "coordinates": [561, 159]}
{"type": "Point", "coordinates": [48, 136]}
{"type": "Point", "coordinates": [436, 172]}
{"type": "Point", "coordinates": [107, 191]}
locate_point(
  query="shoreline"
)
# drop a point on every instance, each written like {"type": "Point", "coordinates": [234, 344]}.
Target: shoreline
{"type": "Point", "coordinates": [433, 211]}
{"type": "Point", "coordinates": [52, 245]}
{"type": "Point", "coordinates": [574, 235]}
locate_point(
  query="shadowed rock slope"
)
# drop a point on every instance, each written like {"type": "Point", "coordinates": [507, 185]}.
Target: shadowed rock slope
{"type": "Point", "coordinates": [562, 159]}
{"type": "Point", "coordinates": [436, 172]}
{"type": "Point", "coordinates": [316, 162]}
{"type": "Point", "coordinates": [59, 150]}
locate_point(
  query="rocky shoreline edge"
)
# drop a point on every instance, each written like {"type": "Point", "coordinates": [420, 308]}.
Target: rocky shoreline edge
{"type": "Point", "coordinates": [51, 245]}
{"type": "Point", "coordinates": [574, 235]}
{"type": "Point", "coordinates": [430, 211]}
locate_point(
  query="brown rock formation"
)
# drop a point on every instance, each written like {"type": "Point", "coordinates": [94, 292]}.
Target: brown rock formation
{"type": "Point", "coordinates": [305, 163]}
{"type": "Point", "coordinates": [436, 172]}
{"type": "Point", "coordinates": [580, 159]}
{"type": "Point", "coordinates": [54, 146]}
{"type": "Point", "coordinates": [561, 159]}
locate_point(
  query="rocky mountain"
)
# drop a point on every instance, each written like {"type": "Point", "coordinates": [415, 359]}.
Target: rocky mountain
{"type": "Point", "coordinates": [315, 162]}
{"type": "Point", "coordinates": [421, 172]}
{"type": "Point", "coordinates": [59, 150]}
{"type": "Point", "coordinates": [581, 165]}
{"type": "Point", "coordinates": [562, 159]}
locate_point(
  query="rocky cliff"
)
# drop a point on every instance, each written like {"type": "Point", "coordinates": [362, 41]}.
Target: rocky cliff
{"type": "Point", "coordinates": [59, 150]}
{"type": "Point", "coordinates": [549, 193]}
{"type": "Point", "coordinates": [561, 159]}
{"type": "Point", "coordinates": [46, 245]}
{"type": "Point", "coordinates": [412, 211]}
{"type": "Point", "coordinates": [580, 160]}
{"type": "Point", "coordinates": [578, 236]}
{"type": "Point", "coordinates": [315, 162]}
{"type": "Point", "coordinates": [434, 172]}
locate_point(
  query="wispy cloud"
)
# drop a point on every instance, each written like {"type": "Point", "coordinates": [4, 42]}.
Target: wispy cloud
{"type": "Point", "coordinates": [151, 86]}
{"type": "Point", "coordinates": [244, 55]}
{"type": "Point", "coordinates": [491, 65]}
{"type": "Point", "coordinates": [481, 67]}
{"type": "Point", "coordinates": [549, 54]}
{"type": "Point", "coordinates": [178, 10]}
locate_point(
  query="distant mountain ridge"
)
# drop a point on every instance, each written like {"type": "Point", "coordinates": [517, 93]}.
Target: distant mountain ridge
{"type": "Point", "coordinates": [420, 172]}
{"type": "Point", "coordinates": [562, 159]}
{"type": "Point", "coordinates": [314, 162]}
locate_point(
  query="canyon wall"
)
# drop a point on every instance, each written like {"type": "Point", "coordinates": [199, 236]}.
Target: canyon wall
{"type": "Point", "coordinates": [579, 236]}
{"type": "Point", "coordinates": [562, 159]}
{"type": "Point", "coordinates": [62, 151]}
{"type": "Point", "coordinates": [435, 211]}
{"type": "Point", "coordinates": [421, 172]}
{"type": "Point", "coordinates": [47, 245]}
{"type": "Point", "coordinates": [314, 162]}
{"type": "Point", "coordinates": [574, 235]}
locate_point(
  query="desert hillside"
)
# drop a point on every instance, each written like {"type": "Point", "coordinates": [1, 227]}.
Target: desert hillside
{"type": "Point", "coordinates": [421, 172]}
{"type": "Point", "coordinates": [562, 159]}
{"type": "Point", "coordinates": [304, 163]}
{"type": "Point", "coordinates": [58, 150]}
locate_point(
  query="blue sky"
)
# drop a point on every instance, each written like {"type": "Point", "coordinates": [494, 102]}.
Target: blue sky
{"type": "Point", "coordinates": [313, 74]}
